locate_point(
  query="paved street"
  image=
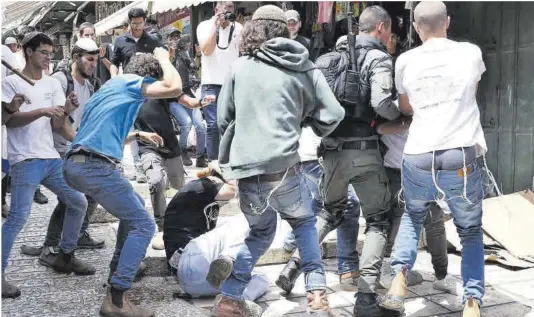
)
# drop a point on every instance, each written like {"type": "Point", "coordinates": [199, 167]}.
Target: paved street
{"type": "Point", "coordinates": [45, 293]}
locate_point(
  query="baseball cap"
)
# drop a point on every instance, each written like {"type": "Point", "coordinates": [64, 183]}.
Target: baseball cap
{"type": "Point", "coordinates": [87, 45]}
{"type": "Point", "coordinates": [292, 15]}
{"type": "Point", "coordinates": [10, 40]}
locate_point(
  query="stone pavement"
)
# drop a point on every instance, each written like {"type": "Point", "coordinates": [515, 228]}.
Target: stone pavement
{"type": "Point", "coordinates": [46, 293]}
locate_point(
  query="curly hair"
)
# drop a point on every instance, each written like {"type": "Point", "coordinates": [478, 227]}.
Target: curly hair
{"type": "Point", "coordinates": [257, 32]}
{"type": "Point", "coordinates": [144, 64]}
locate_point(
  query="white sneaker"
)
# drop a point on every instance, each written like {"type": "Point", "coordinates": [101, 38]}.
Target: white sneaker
{"type": "Point", "coordinates": [449, 284]}
{"type": "Point", "coordinates": [157, 242]}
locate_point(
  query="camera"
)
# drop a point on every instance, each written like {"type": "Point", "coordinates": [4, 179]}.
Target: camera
{"type": "Point", "coordinates": [230, 16]}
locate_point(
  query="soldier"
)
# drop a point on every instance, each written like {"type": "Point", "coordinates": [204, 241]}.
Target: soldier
{"type": "Point", "coordinates": [352, 156]}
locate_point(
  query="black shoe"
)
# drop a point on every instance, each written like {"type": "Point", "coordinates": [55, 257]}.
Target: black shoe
{"type": "Point", "coordinates": [367, 305]}
{"type": "Point", "coordinates": [39, 198]}
{"type": "Point", "coordinates": [185, 158]}
{"type": "Point", "coordinates": [48, 256]}
{"type": "Point", "coordinates": [31, 251]}
{"type": "Point", "coordinates": [220, 270]}
{"type": "Point", "coordinates": [68, 263]}
{"type": "Point", "coordinates": [288, 276]}
{"type": "Point", "coordinates": [86, 242]}
{"type": "Point", "coordinates": [9, 290]}
{"type": "Point", "coordinates": [202, 161]}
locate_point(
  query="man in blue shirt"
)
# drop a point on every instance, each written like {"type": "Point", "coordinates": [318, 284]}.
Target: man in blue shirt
{"type": "Point", "coordinates": [91, 164]}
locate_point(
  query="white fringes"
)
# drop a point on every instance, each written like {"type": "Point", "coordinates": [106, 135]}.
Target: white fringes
{"type": "Point", "coordinates": [491, 177]}
{"type": "Point", "coordinates": [268, 199]}
{"type": "Point", "coordinates": [442, 193]}
{"type": "Point", "coordinates": [465, 178]}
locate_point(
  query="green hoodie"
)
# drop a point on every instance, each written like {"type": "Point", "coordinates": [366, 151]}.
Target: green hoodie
{"type": "Point", "coordinates": [263, 104]}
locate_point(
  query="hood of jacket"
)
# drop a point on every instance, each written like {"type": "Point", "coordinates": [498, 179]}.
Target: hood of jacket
{"type": "Point", "coordinates": [285, 53]}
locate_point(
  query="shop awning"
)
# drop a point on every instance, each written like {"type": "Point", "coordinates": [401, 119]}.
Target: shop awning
{"type": "Point", "coordinates": [118, 17]}
{"type": "Point", "coordinates": [159, 6]}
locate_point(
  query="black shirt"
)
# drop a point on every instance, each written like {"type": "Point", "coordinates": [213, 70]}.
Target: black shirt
{"type": "Point", "coordinates": [304, 41]}
{"type": "Point", "coordinates": [102, 72]}
{"type": "Point", "coordinates": [155, 116]}
{"type": "Point", "coordinates": [184, 218]}
{"type": "Point", "coordinates": [125, 47]}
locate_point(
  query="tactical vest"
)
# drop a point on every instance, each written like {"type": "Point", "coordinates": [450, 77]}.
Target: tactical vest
{"type": "Point", "coordinates": [352, 89]}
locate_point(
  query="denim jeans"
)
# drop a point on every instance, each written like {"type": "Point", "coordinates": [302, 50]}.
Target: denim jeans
{"type": "Point", "coordinates": [260, 201]}
{"type": "Point", "coordinates": [102, 180]}
{"type": "Point", "coordinates": [185, 118]}
{"type": "Point", "coordinates": [197, 256]}
{"type": "Point", "coordinates": [419, 191]}
{"type": "Point", "coordinates": [347, 232]}
{"type": "Point", "coordinates": [26, 176]}
{"type": "Point", "coordinates": [210, 114]}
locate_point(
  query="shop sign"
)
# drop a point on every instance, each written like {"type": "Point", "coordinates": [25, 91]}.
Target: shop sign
{"type": "Point", "coordinates": [167, 18]}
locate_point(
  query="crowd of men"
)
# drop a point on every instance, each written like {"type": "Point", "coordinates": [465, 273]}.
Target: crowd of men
{"type": "Point", "coordinates": [314, 143]}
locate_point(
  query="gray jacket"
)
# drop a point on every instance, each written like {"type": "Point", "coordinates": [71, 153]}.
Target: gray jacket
{"type": "Point", "coordinates": [263, 104]}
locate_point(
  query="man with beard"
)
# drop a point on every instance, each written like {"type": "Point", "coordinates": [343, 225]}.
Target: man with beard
{"type": "Point", "coordinates": [84, 56]}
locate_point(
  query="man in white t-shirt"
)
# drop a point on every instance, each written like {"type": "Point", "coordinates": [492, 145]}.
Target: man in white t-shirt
{"type": "Point", "coordinates": [219, 42]}
{"type": "Point", "coordinates": [437, 83]}
{"type": "Point", "coordinates": [33, 158]}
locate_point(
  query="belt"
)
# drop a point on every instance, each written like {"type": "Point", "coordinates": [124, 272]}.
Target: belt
{"type": "Point", "coordinates": [212, 86]}
{"type": "Point", "coordinates": [93, 155]}
{"type": "Point", "coordinates": [276, 177]}
{"type": "Point", "coordinates": [360, 145]}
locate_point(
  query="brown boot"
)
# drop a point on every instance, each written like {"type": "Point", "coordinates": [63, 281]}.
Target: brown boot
{"type": "Point", "coordinates": [394, 299]}
{"type": "Point", "coordinates": [228, 307]}
{"type": "Point", "coordinates": [471, 308]}
{"type": "Point", "coordinates": [350, 277]}
{"type": "Point", "coordinates": [121, 306]}
{"type": "Point", "coordinates": [318, 304]}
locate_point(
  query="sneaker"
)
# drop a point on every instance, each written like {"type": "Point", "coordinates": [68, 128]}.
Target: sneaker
{"type": "Point", "coordinates": [202, 161]}
{"type": "Point", "coordinates": [9, 290]}
{"type": "Point", "coordinates": [220, 270]}
{"type": "Point", "coordinates": [157, 242]}
{"type": "Point", "coordinates": [185, 158]}
{"type": "Point", "coordinates": [229, 307]}
{"type": "Point", "coordinates": [39, 198]}
{"type": "Point", "coordinates": [122, 307]}
{"type": "Point", "coordinates": [68, 263]}
{"type": "Point", "coordinates": [318, 304]}
{"type": "Point", "coordinates": [449, 285]}
{"type": "Point", "coordinates": [367, 305]}
{"type": "Point", "coordinates": [140, 176]}
{"type": "Point", "coordinates": [31, 251]}
{"type": "Point", "coordinates": [85, 241]}
{"type": "Point", "coordinates": [5, 210]}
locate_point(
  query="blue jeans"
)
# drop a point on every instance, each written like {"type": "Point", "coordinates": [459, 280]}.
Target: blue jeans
{"type": "Point", "coordinates": [292, 200]}
{"type": "Point", "coordinates": [210, 114]}
{"type": "Point", "coordinates": [25, 177]}
{"type": "Point", "coordinates": [347, 233]}
{"type": "Point", "coordinates": [185, 118]}
{"type": "Point", "coordinates": [419, 191]}
{"type": "Point", "coordinates": [102, 180]}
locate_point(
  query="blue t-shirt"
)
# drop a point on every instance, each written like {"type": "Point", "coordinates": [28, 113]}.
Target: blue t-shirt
{"type": "Point", "coordinates": [110, 114]}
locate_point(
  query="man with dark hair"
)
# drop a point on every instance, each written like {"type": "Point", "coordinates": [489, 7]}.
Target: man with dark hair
{"type": "Point", "coordinates": [351, 152]}
{"type": "Point", "coordinates": [137, 40]}
{"type": "Point", "coordinates": [84, 56]}
{"type": "Point", "coordinates": [218, 39]}
{"type": "Point", "coordinates": [33, 158]}
{"type": "Point", "coordinates": [260, 120]}
{"type": "Point", "coordinates": [91, 165]}
{"type": "Point", "coordinates": [437, 83]}
{"type": "Point", "coordinates": [87, 30]}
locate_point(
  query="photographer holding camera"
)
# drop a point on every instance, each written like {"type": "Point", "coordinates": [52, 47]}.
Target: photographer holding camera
{"type": "Point", "coordinates": [218, 39]}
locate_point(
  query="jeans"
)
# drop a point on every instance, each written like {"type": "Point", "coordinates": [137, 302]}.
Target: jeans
{"type": "Point", "coordinates": [436, 238]}
{"type": "Point", "coordinates": [158, 171]}
{"type": "Point", "coordinates": [55, 226]}
{"type": "Point", "coordinates": [185, 118]}
{"type": "Point", "coordinates": [102, 180]}
{"type": "Point", "coordinates": [365, 170]}
{"type": "Point", "coordinates": [260, 201]}
{"type": "Point", "coordinates": [26, 176]}
{"type": "Point", "coordinates": [347, 232]}
{"type": "Point", "coordinates": [197, 256]}
{"type": "Point", "coordinates": [419, 190]}
{"type": "Point", "coordinates": [210, 114]}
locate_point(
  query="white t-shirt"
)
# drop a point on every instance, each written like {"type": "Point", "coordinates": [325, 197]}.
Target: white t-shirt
{"type": "Point", "coordinates": [308, 144]}
{"type": "Point", "coordinates": [83, 93]}
{"type": "Point", "coordinates": [33, 140]}
{"type": "Point", "coordinates": [216, 66]}
{"type": "Point", "coordinates": [395, 144]}
{"type": "Point", "coordinates": [10, 58]}
{"type": "Point", "coordinates": [440, 78]}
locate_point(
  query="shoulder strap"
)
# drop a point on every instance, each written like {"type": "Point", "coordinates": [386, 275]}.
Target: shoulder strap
{"type": "Point", "coordinates": [70, 81]}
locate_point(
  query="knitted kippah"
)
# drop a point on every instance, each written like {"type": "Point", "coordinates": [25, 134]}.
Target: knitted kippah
{"type": "Point", "coordinates": [269, 12]}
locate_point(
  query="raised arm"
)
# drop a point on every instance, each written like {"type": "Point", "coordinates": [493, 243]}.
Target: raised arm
{"type": "Point", "coordinates": [171, 84]}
